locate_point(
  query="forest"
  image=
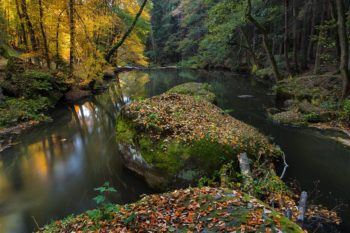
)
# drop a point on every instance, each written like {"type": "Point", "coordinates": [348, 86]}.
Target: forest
{"type": "Point", "coordinates": [174, 116]}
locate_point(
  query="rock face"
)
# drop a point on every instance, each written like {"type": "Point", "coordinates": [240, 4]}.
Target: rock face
{"type": "Point", "coordinates": [180, 138]}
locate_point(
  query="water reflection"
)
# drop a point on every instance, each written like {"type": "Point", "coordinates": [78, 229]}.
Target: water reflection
{"type": "Point", "coordinates": [54, 169]}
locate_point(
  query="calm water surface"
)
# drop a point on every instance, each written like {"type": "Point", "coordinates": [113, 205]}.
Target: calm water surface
{"type": "Point", "coordinates": [54, 168]}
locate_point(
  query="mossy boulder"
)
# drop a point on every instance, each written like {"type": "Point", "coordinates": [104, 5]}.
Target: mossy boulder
{"type": "Point", "coordinates": [180, 138]}
{"type": "Point", "coordinates": [310, 87]}
{"type": "Point", "coordinates": [290, 117]}
{"type": "Point", "coordinates": [188, 210]}
{"type": "Point", "coordinates": [197, 90]}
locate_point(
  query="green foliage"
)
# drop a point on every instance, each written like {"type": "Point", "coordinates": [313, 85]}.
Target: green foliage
{"type": "Point", "coordinates": [106, 208]}
{"type": "Point", "coordinates": [312, 117]}
{"type": "Point", "coordinates": [213, 25]}
{"type": "Point", "coordinates": [265, 185]}
{"type": "Point", "coordinates": [38, 80]}
{"type": "Point", "coordinates": [15, 110]}
{"type": "Point", "coordinates": [197, 90]}
{"type": "Point", "coordinates": [345, 110]}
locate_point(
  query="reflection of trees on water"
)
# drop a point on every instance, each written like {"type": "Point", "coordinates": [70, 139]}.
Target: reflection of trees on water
{"type": "Point", "coordinates": [133, 85]}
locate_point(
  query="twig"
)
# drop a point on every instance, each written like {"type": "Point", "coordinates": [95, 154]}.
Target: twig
{"type": "Point", "coordinates": [285, 166]}
{"type": "Point", "coordinates": [36, 223]}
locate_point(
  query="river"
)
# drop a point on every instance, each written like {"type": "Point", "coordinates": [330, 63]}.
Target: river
{"type": "Point", "coordinates": [53, 169]}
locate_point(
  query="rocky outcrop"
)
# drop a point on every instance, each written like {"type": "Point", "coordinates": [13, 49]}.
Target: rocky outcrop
{"type": "Point", "coordinates": [178, 138]}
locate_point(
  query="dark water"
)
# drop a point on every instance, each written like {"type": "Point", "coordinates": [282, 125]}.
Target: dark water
{"type": "Point", "coordinates": [53, 170]}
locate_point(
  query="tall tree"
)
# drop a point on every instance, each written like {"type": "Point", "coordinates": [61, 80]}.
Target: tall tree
{"type": "Point", "coordinates": [115, 48]}
{"type": "Point", "coordinates": [72, 37]}
{"type": "Point", "coordinates": [29, 25]}
{"type": "Point", "coordinates": [21, 21]}
{"type": "Point", "coordinates": [344, 45]}
{"type": "Point", "coordinates": [43, 34]}
{"type": "Point", "coordinates": [266, 41]}
{"type": "Point", "coordinates": [286, 36]}
{"type": "Point", "coordinates": [295, 35]}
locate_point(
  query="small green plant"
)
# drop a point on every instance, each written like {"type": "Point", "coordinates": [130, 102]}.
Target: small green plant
{"type": "Point", "coordinates": [106, 208]}
{"type": "Point", "coordinates": [312, 117]}
{"type": "Point", "coordinates": [345, 113]}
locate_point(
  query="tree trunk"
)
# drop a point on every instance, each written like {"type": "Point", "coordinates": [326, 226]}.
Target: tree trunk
{"type": "Point", "coordinates": [249, 46]}
{"type": "Point", "coordinates": [310, 47]}
{"type": "Point", "coordinates": [21, 20]}
{"type": "Point", "coordinates": [344, 48]}
{"type": "Point", "coordinates": [295, 36]}
{"type": "Point", "coordinates": [57, 39]}
{"type": "Point", "coordinates": [29, 25]}
{"type": "Point", "coordinates": [286, 39]}
{"type": "Point", "coordinates": [319, 45]}
{"type": "Point", "coordinates": [127, 33]}
{"type": "Point", "coordinates": [72, 37]}
{"type": "Point", "coordinates": [266, 43]}
{"type": "Point", "coordinates": [334, 15]}
{"type": "Point", "coordinates": [43, 34]}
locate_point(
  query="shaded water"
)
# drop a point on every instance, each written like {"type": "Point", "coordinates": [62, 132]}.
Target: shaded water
{"type": "Point", "coordinates": [51, 173]}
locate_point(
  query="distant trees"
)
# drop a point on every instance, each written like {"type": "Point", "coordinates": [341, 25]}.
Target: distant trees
{"type": "Point", "coordinates": [297, 34]}
{"type": "Point", "coordinates": [76, 35]}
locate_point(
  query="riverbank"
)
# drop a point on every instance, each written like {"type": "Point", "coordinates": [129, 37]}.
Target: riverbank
{"type": "Point", "coordinates": [312, 101]}
{"type": "Point", "coordinates": [29, 92]}
{"type": "Point", "coordinates": [187, 210]}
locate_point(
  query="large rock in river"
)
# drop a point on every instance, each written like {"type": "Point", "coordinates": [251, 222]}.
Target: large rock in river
{"type": "Point", "coordinates": [178, 138]}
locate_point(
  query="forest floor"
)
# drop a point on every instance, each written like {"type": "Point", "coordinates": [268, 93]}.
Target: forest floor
{"type": "Point", "coordinates": [314, 101]}
{"type": "Point", "coordinates": [189, 210]}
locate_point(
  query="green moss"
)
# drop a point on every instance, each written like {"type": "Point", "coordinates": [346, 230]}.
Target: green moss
{"type": "Point", "coordinates": [166, 157]}
{"type": "Point", "coordinates": [170, 157]}
{"type": "Point", "coordinates": [16, 110]}
{"type": "Point", "coordinates": [124, 131]}
{"type": "Point", "coordinates": [291, 117]}
{"type": "Point", "coordinates": [197, 90]}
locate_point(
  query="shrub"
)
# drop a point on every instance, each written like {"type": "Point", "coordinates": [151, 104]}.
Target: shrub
{"type": "Point", "coordinates": [13, 110]}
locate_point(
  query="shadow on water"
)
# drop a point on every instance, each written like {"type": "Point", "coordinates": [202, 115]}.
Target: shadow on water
{"type": "Point", "coordinates": [53, 170]}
